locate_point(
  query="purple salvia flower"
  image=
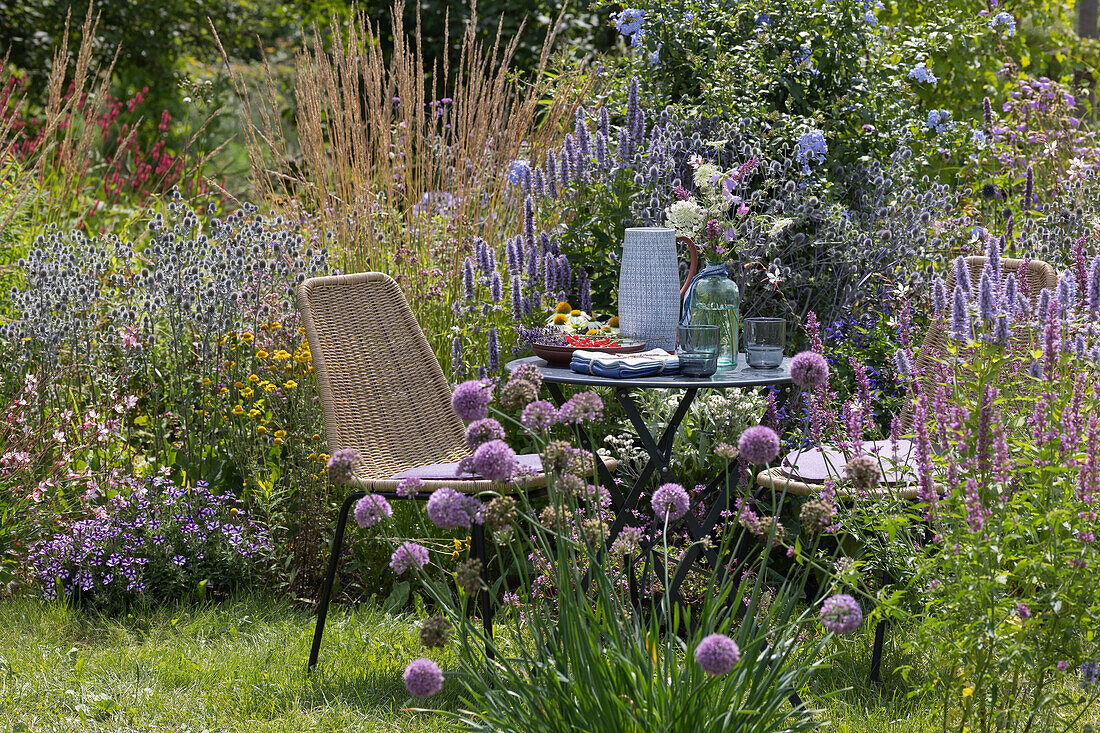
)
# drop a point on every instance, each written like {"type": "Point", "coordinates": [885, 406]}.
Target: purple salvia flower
{"type": "Point", "coordinates": [529, 222]}
{"type": "Point", "coordinates": [1009, 225]}
{"type": "Point", "coordinates": [976, 512]}
{"type": "Point", "coordinates": [961, 328]}
{"type": "Point", "coordinates": [939, 295]}
{"type": "Point", "coordinates": [987, 299]}
{"type": "Point", "coordinates": [1066, 292]}
{"type": "Point", "coordinates": [493, 345]}
{"type": "Point", "coordinates": [496, 288]}
{"type": "Point", "coordinates": [637, 132]}
{"type": "Point", "coordinates": [993, 260]}
{"type": "Point", "coordinates": [550, 244]}
{"type": "Point", "coordinates": [525, 178]}
{"type": "Point", "coordinates": [1080, 346]}
{"type": "Point", "coordinates": [962, 276]}
{"type": "Point", "coordinates": [468, 278]}
{"type": "Point", "coordinates": [1050, 339]}
{"type": "Point", "coordinates": [1029, 189]}
{"type": "Point", "coordinates": [534, 259]}
{"type": "Point", "coordinates": [926, 482]}
{"type": "Point", "coordinates": [517, 298]}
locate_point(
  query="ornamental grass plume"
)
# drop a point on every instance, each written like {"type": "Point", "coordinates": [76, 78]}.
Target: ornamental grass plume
{"type": "Point", "coordinates": [423, 678]}
{"type": "Point", "coordinates": [372, 509]}
{"type": "Point", "coordinates": [670, 502]}
{"type": "Point", "coordinates": [841, 614]}
{"type": "Point", "coordinates": [758, 445]}
{"type": "Point", "coordinates": [717, 654]}
{"type": "Point", "coordinates": [809, 370]}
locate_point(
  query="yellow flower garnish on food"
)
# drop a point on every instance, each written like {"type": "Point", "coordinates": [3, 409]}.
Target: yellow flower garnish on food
{"type": "Point", "coordinates": [613, 322]}
{"type": "Point", "coordinates": [563, 307]}
{"type": "Point", "coordinates": [560, 319]}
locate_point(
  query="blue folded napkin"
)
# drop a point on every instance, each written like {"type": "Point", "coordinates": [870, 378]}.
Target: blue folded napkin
{"type": "Point", "coordinates": [650, 363]}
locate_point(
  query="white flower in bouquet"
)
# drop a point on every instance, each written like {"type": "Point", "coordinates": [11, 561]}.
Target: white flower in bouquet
{"type": "Point", "coordinates": [704, 176]}
{"type": "Point", "coordinates": [686, 217]}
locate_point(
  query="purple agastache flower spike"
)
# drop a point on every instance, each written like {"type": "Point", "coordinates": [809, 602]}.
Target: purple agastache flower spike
{"type": "Point", "coordinates": [1080, 264]}
{"type": "Point", "coordinates": [962, 276]}
{"type": "Point", "coordinates": [1029, 189]}
{"type": "Point", "coordinates": [1001, 331]}
{"type": "Point", "coordinates": [993, 259]}
{"type": "Point", "coordinates": [565, 169]}
{"type": "Point", "coordinates": [565, 273]}
{"type": "Point", "coordinates": [496, 288]}
{"type": "Point", "coordinates": [493, 344]}
{"type": "Point", "coordinates": [529, 221]}
{"type": "Point", "coordinates": [569, 153]}
{"type": "Point", "coordinates": [939, 295]}
{"type": "Point", "coordinates": [604, 127]}
{"type": "Point", "coordinates": [1009, 298]}
{"type": "Point", "coordinates": [550, 167]}
{"type": "Point", "coordinates": [1045, 296]}
{"type": "Point", "coordinates": [457, 365]}
{"type": "Point", "coordinates": [550, 272]}
{"type": "Point", "coordinates": [584, 285]}
{"type": "Point", "coordinates": [1066, 293]}
{"type": "Point", "coordinates": [1009, 225]}
{"type": "Point", "coordinates": [987, 118]}
{"type": "Point", "coordinates": [512, 256]}
{"type": "Point", "coordinates": [517, 298]}
{"type": "Point", "coordinates": [538, 183]}
{"type": "Point", "coordinates": [987, 299]}
{"type": "Point", "coordinates": [584, 138]}
{"type": "Point", "coordinates": [482, 252]}
{"type": "Point", "coordinates": [960, 316]}
{"type": "Point", "coordinates": [468, 278]}
{"type": "Point", "coordinates": [625, 149]}
{"type": "Point", "coordinates": [633, 109]}
{"type": "Point", "coordinates": [1094, 285]}
{"type": "Point", "coordinates": [602, 160]}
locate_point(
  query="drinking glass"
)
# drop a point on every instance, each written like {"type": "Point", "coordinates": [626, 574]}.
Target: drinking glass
{"type": "Point", "coordinates": [765, 339]}
{"type": "Point", "coordinates": [697, 350]}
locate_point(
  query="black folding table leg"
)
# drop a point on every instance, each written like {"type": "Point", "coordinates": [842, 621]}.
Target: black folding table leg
{"type": "Point", "coordinates": [483, 598]}
{"type": "Point", "coordinates": [876, 652]}
{"type": "Point", "coordinates": [330, 576]}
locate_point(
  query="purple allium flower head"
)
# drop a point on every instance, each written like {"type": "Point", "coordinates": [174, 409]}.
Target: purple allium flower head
{"type": "Point", "coordinates": [423, 678]}
{"type": "Point", "coordinates": [470, 400]}
{"type": "Point", "coordinates": [539, 416]}
{"type": "Point", "coordinates": [717, 654]}
{"type": "Point", "coordinates": [809, 369]}
{"type": "Point", "coordinates": [408, 556]}
{"type": "Point", "coordinates": [527, 373]}
{"type": "Point", "coordinates": [670, 501]}
{"type": "Point", "coordinates": [341, 465]}
{"type": "Point", "coordinates": [372, 509]}
{"type": "Point", "coordinates": [449, 509]}
{"type": "Point", "coordinates": [495, 461]}
{"type": "Point", "coordinates": [758, 445]}
{"type": "Point", "coordinates": [961, 329]}
{"type": "Point", "coordinates": [482, 431]}
{"type": "Point", "coordinates": [841, 614]}
{"type": "Point", "coordinates": [408, 488]}
{"type": "Point", "coordinates": [581, 407]}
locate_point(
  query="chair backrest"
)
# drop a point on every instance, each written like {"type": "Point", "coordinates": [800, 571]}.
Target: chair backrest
{"type": "Point", "coordinates": [934, 348]}
{"type": "Point", "coordinates": [382, 389]}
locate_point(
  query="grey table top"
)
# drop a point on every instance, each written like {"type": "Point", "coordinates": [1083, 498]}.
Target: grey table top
{"type": "Point", "coordinates": [740, 376]}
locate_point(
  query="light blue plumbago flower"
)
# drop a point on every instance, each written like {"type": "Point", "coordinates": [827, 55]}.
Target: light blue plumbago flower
{"type": "Point", "coordinates": [655, 57]}
{"type": "Point", "coordinates": [921, 73]}
{"type": "Point", "coordinates": [812, 148]}
{"type": "Point", "coordinates": [689, 16]}
{"type": "Point", "coordinates": [978, 137]}
{"type": "Point", "coordinates": [1003, 20]}
{"type": "Point", "coordinates": [630, 21]}
{"type": "Point", "coordinates": [870, 19]}
{"type": "Point", "coordinates": [939, 120]}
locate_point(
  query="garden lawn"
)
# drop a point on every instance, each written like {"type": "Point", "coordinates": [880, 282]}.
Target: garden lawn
{"type": "Point", "coordinates": [240, 666]}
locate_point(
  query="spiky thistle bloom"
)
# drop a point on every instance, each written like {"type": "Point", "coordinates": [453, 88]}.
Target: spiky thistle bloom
{"type": "Point", "coordinates": [841, 614]}
{"type": "Point", "coordinates": [809, 370]}
{"type": "Point", "coordinates": [717, 654]}
{"type": "Point", "coordinates": [758, 445]}
{"type": "Point", "coordinates": [408, 556]}
{"type": "Point", "coordinates": [372, 509]}
{"type": "Point", "coordinates": [470, 400]}
{"type": "Point", "coordinates": [670, 501]}
{"type": "Point", "coordinates": [423, 678]}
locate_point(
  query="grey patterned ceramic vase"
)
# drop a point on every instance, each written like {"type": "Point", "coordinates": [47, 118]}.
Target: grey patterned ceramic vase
{"type": "Point", "coordinates": [649, 287]}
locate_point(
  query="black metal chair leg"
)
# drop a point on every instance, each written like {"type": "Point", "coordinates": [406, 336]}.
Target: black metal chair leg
{"type": "Point", "coordinates": [876, 652]}
{"type": "Point", "coordinates": [330, 576]}
{"type": "Point", "coordinates": [484, 601]}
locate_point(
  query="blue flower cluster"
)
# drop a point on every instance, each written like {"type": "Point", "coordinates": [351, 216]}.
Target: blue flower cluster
{"type": "Point", "coordinates": [939, 120]}
{"type": "Point", "coordinates": [1003, 20]}
{"type": "Point", "coordinates": [629, 22]}
{"type": "Point", "coordinates": [812, 148]}
{"type": "Point", "coordinates": [157, 542]}
{"type": "Point", "coordinates": [921, 73]}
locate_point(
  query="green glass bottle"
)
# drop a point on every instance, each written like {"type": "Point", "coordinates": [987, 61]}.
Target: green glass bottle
{"type": "Point", "coordinates": [717, 302]}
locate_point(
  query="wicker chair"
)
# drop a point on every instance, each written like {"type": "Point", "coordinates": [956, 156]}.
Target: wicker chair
{"type": "Point", "coordinates": [805, 472]}
{"type": "Point", "coordinates": [384, 395]}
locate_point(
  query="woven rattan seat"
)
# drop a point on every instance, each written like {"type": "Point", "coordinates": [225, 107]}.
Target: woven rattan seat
{"type": "Point", "coordinates": [382, 389]}
{"type": "Point", "coordinates": [786, 478]}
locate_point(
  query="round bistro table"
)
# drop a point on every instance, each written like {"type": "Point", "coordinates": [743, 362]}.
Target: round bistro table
{"type": "Point", "coordinates": [659, 449]}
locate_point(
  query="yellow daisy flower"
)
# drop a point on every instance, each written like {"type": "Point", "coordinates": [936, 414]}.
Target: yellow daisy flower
{"type": "Point", "coordinates": [290, 384]}
{"type": "Point", "coordinates": [279, 441]}
{"type": "Point", "coordinates": [237, 410]}
{"type": "Point", "coordinates": [280, 433]}
{"type": "Point", "coordinates": [246, 336]}
{"type": "Point", "coordinates": [261, 354]}
{"type": "Point", "coordinates": [261, 429]}
{"type": "Point", "coordinates": [247, 392]}
{"type": "Point", "coordinates": [253, 378]}
{"type": "Point", "coordinates": [253, 412]}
